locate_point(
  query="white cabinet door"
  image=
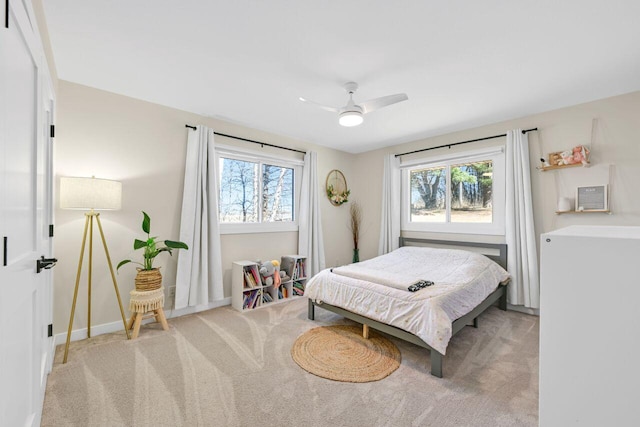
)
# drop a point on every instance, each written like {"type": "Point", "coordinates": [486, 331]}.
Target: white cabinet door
{"type": "Point", "coordinates": [589, 295]}
{"type": "Point", "coordinates": [25, 173]}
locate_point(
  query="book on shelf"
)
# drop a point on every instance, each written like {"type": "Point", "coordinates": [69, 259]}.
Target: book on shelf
{"type": "Point", "coordinates": [298, 288]}
{"type": "Point", "coordinates": [248, 282]}
{"type": "Point", "coordinates": [245, 300]}
{"type": "Point", "coordinates": [303, 269]}
{"type": "Point", "coordinates": [252, 276]}
{"type": "Point", "coordinates": [256, 274]}
{"type": "Point", "coordinates": [284, 291]}
{"type": "Point", "coordinates": [251, 299]}
{"type": "Point", "coordinates": [299, 270]}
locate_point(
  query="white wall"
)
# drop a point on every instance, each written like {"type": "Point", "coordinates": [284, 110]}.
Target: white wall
{"type": "Point", "coordinates": [616, 142]}
{"type": "Point", "coordinates": [143, 145]}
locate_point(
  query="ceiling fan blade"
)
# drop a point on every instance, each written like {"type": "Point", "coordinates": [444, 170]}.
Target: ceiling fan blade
{"type": "Point", "coordinates": [374, 104]}
{"type": "Point", "coordinates": [324, 107]}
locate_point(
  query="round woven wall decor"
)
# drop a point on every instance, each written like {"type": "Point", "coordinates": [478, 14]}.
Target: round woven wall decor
{"type": "Point", "coordinates": [340, 353]}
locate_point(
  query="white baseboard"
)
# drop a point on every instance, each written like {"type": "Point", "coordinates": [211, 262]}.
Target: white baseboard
{"type": "Point", "coordinates": [52, 352]}
{"type": "Point", "coordinates": [190, 310]}
{"type": "Point", "coordinates": [523, 309]}
{"type": "Point", "coordinates": [106, 328]}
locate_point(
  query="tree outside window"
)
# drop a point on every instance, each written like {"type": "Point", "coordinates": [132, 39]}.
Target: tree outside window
{"type": "Point", "coordinates": [277, 193]}
{"type": "Point", "coordinates": [467, 199]}
{"type": "Point", "coordinates": [429, 195]}
{"type": "Point", "coordinates": [255, 192]}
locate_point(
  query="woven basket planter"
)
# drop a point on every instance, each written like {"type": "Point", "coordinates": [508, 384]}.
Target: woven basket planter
{"type": "Point", "coordinates": [148, 280]}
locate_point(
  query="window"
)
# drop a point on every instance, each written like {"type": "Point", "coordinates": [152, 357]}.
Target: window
{"type": "Point", "coordinates": [464, 194]}
{"type": "Point", "coordinates": [256, 194]}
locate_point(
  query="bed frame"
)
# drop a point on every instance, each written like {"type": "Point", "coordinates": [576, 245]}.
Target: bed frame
{"type": "Point", "coordinates": [496, 252]}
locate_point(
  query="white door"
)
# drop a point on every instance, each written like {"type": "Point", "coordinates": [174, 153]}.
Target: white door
{"type": "Point", "coordinates": [25, 206]}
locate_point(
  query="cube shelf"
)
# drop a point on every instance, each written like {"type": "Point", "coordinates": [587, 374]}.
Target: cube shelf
{"type": "Point", "coordinates": [248, 292]}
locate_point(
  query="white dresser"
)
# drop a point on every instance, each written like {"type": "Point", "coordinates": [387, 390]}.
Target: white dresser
{"type": "Point", "coordinates": [590, 326]}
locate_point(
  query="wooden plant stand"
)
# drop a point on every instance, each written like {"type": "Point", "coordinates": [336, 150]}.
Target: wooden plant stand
{"type": "Point", "coordinates": [144, 305]}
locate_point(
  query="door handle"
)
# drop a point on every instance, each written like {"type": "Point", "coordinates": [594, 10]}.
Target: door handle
{"type": "Point", "coordinates": [45, 263]}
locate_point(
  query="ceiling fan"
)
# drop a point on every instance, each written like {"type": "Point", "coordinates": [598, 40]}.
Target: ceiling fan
{"type": "Point", "coordinates": [351, 114]}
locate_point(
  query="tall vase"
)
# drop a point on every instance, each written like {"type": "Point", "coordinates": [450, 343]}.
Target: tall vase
{"type": "Point", "coordinates": [356, 255]}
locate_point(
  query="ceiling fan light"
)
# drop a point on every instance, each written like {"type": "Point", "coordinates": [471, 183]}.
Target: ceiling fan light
{"type": "Point", "coordinates": [350, 118]}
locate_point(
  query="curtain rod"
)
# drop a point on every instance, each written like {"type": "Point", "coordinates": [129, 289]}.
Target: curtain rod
{"type": "Point", "coordinates": [463, 142]}
{"type": "Point", "coordinates": [251, 140]}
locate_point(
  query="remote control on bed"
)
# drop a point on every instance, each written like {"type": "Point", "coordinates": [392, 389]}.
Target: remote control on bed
{"type": "Point", "coordinates": [419, 285]}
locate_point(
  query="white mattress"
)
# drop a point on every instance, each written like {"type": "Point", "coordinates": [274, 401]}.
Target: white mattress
{"type": "Point", "coordinates": [376, 289]}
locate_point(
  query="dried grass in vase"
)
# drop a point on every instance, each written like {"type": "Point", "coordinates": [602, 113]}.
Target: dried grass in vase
{"type": "Point", "coordinates": [356, 221]}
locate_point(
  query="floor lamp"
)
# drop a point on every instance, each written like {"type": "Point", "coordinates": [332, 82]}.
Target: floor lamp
{"type": "Point", "coordinates": [90, 194]}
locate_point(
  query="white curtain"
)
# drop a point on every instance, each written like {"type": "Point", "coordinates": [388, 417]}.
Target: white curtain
{"type": "Point", "coordinates": [310, 225]}
{"type": "Point", "coordinates": [199, 277]}
{"type": "Point", "coordinates": [521, 238]}
{"type": "Point", "coordinates": [390, 220]}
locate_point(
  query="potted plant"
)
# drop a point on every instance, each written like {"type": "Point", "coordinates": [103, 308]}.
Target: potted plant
{"type": "Point", "coordinates": [148, 277]}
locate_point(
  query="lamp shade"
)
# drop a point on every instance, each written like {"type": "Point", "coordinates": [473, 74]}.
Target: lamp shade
{"type": "Point", "coordinates": [90, 193]}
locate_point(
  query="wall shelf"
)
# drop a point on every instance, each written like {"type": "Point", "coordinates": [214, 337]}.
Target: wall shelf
{"type": "Point", "coordinates": [550, 168]}
{"type": "Point", "coordinates": [606, 211]}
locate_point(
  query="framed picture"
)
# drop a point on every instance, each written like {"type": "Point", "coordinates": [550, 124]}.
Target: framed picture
{"type": "Point", "coordinates": [593, 198]}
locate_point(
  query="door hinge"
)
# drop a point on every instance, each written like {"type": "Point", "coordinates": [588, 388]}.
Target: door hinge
{"type": "Point", "coordinates": [52, 132]}
{"type": "Point", "coordinates": [50, 330]}
{"type": "Point", "coordinates": [50, 230]}
{"type": "Point", "coordinates": [4, 250]}
{"type": "Point", "coordinates": [6, 14]}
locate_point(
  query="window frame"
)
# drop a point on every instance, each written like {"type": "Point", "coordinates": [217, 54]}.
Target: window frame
{"type": "Point", "coordinates": [496, 227]}
{"type": "Point", "coordinates": [236, 153]}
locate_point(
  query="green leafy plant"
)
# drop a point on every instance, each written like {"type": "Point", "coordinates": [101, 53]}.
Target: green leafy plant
{"type": "Point", "coordinates": [152, 247]}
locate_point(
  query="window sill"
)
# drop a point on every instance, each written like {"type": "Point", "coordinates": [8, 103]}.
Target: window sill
{"type": "Point", "coordinates": [487, 229]}
{"type": "Point", "coordinates": [248, 228]}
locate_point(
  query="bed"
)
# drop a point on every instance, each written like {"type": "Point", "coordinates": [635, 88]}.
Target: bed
{"type": "Point", "coordinates": [374, 292]}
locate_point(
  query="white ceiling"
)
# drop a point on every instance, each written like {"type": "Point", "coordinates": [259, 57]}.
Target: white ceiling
{"type": "Point", "coordinates": [462, 63]}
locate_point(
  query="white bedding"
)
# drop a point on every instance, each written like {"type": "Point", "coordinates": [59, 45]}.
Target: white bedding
{"type": "Point", "coordinates": [377, 288]}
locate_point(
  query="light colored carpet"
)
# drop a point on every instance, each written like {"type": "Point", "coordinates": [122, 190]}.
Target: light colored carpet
{"type": "Point", "coordinates": [225, 368]}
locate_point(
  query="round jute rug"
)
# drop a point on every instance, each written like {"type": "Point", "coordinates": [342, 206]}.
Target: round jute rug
{"type": "Point", "coordinates": [340, 353]}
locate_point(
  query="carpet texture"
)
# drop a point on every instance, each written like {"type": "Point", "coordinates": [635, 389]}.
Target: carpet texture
{"type": "Point", "coordinates": [340, 353]}
{"type": "Point", "coordinates": [225, 368]}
